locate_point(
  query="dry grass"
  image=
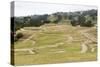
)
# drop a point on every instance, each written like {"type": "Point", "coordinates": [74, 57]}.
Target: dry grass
{"type": "Point", "coordinates": [69, 42]}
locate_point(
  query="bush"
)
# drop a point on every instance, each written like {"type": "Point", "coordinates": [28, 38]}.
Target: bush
{"type": "Point", "coordinates": [73, 23]}
{"type": "Point", "coordinates": [18, 35]}
{"type": "Point", "coordinates": [15, 39]}
{"type": "Point", "coordinates": [88, 23]}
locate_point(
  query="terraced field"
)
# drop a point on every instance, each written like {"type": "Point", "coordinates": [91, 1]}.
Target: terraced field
{"type": "Point", "coordinates": [52, 43]}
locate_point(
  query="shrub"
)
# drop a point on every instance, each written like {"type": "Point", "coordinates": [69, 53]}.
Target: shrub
{"type": "Point", "coordinates": [15, 39]}
{"type": "Point", "coordinates": [73, 23]}
{"type": "Point", "coordinates": [89, 23]}
{"type": "Point", "coordinates": [18, 35]}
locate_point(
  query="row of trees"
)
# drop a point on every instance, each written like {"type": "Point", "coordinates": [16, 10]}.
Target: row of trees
{"type": "Point", "coordinates": [82, 18]}
{"type": "Point", "coordinates": [87, 21]}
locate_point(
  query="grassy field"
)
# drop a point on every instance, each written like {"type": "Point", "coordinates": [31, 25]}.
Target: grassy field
{"type": "Point", "coordinates": [53, 44]}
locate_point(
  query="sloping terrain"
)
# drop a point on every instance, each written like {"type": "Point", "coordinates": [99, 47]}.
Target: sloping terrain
{"type": "Point", "coordinates": [55, 43]}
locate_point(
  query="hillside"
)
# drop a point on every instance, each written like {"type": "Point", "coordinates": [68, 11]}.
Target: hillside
{"type": "Point", "coordinates": [55, 43]}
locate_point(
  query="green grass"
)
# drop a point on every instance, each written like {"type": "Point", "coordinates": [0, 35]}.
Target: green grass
{"type": "Point", "coordinates": [48, 39]}
{"type": "Point", "coordinates": [27, 44]}
{"type": "Point", "coordinates": [48, 58]}
{"type": "Point", "coordinates": [47, 55]}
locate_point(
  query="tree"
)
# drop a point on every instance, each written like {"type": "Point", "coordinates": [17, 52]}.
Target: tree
{"type": "Point", "coordinates": [88, 22]}
{"type": "Point", "coordinates": [74, 21]}
{"type": "Point", "coordinates": [53, 18]}
{"type": "Point", "coordinates": [81, 19]}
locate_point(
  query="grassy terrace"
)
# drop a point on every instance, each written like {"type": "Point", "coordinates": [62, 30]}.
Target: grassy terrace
{"type": "Point", "coordinates": [53, 44]}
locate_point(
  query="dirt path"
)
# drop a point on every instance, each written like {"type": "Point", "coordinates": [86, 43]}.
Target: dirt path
{"type": "Point", "coordinates": [84, 48]}
{"type": "Point", "coordinates": [30, 50]}
{"type": "Point", "coordinates": [61, 51]}
{"type": "Point", "coordinates": [29, 38]}
{"type": "Point", "coordinates": [90, 38]}
{"type": "Point", "coordinates": [87, 35]}
{"type": "Point", "coordinates": [55, 45]}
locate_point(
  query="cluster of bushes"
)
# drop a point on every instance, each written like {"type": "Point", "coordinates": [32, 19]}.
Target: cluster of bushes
{"type": "Point", "coordinates": [18, 36]}
{"type": "Point", "coordinates": [83, 21]}
{"type": "Point", "coordinates": [88, 23]}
